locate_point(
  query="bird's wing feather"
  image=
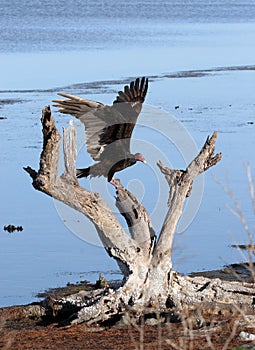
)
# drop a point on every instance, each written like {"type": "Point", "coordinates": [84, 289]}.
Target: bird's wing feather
{"type": "Point", "coordinates": [128, 103]}
{"type": "Point", "coordinates": [75, 105]}
{"type": "Point", "coordinates": [135, 92]}
{"type": "Point", "coordinates": [90, 113]}
{"type": "Point", "coordinates": [106, 124]}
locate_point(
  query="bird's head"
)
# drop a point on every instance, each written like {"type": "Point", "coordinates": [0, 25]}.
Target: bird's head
{"type": "Point", "coordinates": [139, 157]}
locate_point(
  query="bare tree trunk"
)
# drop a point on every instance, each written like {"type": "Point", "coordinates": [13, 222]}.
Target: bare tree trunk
{"type": "Point", "coordinates": [150, 284]}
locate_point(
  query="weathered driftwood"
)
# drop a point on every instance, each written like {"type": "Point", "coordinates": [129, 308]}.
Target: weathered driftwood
{"type": "Point", "coordinates": [150, 285]}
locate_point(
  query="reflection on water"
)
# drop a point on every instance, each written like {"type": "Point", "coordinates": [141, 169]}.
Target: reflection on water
{"type": "Point", "coordinates": [178, 45]}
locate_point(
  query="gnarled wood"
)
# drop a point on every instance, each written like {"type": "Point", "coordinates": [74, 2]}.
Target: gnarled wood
{"type": "Point", "coordinates": [66, 189]}
{"type": "Point", "coordinates": [150, 284]}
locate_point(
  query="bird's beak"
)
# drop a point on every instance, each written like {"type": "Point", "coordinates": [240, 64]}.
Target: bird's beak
{"type": "Point", "coordinates": [144, 161]}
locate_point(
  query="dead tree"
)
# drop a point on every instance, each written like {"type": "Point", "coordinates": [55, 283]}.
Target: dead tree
{"type": "Point", "coordinates": [150, 285]}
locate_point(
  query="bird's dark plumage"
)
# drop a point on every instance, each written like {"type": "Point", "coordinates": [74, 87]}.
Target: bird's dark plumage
{"type": "Point", "coordinates": [108, 128]}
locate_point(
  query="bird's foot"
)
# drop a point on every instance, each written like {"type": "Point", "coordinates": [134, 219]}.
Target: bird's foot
{"type": "Point", "coordinates": [116, 183]}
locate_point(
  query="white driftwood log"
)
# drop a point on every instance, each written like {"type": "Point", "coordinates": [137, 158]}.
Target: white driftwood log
{"type": "Point", "coordinates": [150, 285]}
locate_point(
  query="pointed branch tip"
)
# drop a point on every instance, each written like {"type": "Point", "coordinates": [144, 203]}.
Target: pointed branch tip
{"type": "Point", "coordinates": [31, 172]}
{"type": "Point", "coordinates": [165, 170]}
{"type": "Point", "coordinates": [213, 138]}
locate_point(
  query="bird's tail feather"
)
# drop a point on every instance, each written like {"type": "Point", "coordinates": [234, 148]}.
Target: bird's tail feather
{"type": "Point", "coordinates": [82, 172]}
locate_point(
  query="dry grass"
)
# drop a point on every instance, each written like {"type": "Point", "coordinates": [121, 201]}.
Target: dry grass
{"type": "Point", "coordinates": [236, 210]}
{"type": "Point", "coordinates": [191, 333]}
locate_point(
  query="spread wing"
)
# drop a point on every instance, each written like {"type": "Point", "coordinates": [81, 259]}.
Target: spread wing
{"type": "Point", "coordinates": [108, 128]}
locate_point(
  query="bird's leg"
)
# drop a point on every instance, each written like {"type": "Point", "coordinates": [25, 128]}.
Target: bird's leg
{"type": "Point", "coordinates": [116, 183]}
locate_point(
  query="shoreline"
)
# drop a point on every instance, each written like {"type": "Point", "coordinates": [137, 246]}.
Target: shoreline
{"type": "Point", "coordinates": [233, 272]}
{"type": "Point", "coordinates": [26, 327]}
{"type": "Point", "coordinates": [103, 86]}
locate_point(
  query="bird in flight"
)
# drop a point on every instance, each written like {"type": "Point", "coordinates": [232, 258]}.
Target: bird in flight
{"type": "Point", "coordinates": [108, 129]}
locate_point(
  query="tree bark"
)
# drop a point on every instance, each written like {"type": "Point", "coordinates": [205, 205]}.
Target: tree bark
{"type": "Point", "coordinates": [150, 285]}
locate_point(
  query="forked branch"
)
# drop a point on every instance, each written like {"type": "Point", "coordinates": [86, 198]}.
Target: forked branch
{"type": "Point", "coordinates": [151, 285]}
{"type": "Point", "coordinates": [66, 189]}
{"type": "Point", "coordinates": [180, 183]}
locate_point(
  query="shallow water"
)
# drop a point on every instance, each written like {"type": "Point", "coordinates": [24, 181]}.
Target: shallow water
{"type": "Point", "coordinates": [45, 49]}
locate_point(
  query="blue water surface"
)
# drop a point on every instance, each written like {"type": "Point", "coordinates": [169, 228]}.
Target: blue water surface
{"type": "Point", "coordinates": [90, 48]}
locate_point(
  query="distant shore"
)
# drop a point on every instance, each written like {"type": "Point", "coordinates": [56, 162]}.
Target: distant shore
{"type": "Point", "coordinates": [104, 86]}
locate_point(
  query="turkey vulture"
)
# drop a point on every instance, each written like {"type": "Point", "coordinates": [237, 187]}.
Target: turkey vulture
{"type": "Point", "coordinates": [108, 128]}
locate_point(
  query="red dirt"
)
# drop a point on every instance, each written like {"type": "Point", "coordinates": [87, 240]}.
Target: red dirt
{"type": "Point", "coordinates": [217, 331]}
{"type": "Point", "coordinates": [25, 334]}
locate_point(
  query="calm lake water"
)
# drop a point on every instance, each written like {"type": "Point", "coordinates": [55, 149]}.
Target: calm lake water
{"type": "Point", "coordinates": [92, 48]}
